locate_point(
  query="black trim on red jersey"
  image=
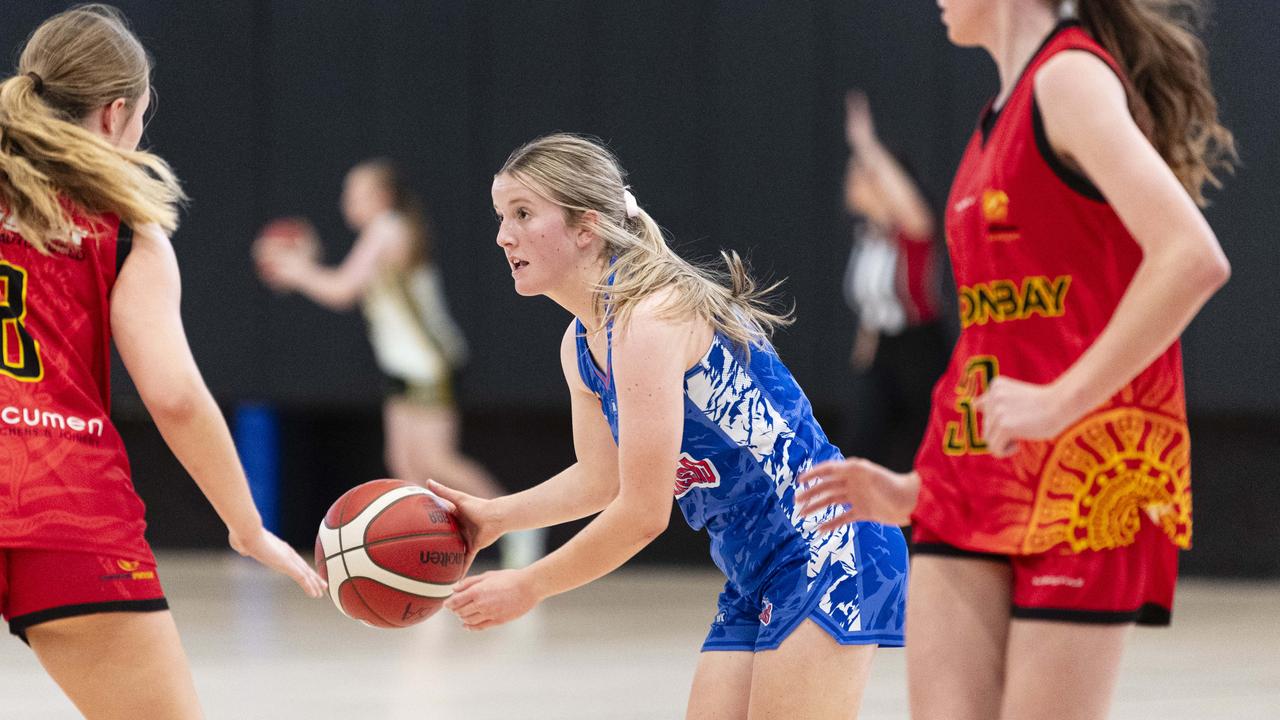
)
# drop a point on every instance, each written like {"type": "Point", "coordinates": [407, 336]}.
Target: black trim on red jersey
{"type": "Point", "coordinates": [945, 550]}
{"type": "Point", "coordinates": [988, 121]}
{"type": "Point", "coordinates": [19, 625]}
{"type": "Point", "coordinates": [1071, 177]}
{"type": "Point", "coordinates": [124, 243]}
{"type": "Point", "coordinates": [991, 115]}
{"type": "Point", "coordinates": [1148, 614]}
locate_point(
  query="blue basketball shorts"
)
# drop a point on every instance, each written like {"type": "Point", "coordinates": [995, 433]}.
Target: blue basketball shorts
{"type": "Point", "coordinates": [858, 598]}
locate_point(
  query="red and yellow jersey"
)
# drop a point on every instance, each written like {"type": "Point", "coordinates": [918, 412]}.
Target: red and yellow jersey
{"type": "Point", "coordinates": [64, 477]}
{"type": "Point", "coordinates": [1041, 260]}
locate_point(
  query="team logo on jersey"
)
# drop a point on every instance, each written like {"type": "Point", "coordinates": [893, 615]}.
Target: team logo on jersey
{"type": "Point", "coordinates": [132, 571]}
{"type": "Point", "coordinates": [995, 206]}
{"type": "Point", "coordinates": [766, 614]}
{"type": "Point", "coordinates": [692, 473]}
{"type": "Point", "coordinates": [995, 209]}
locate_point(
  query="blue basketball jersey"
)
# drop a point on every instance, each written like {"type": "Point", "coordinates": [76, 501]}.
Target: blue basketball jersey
{"type": "Point", "coordinates": [749, 432]}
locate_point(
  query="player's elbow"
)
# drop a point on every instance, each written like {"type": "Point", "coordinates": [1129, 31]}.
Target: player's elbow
{"type": "Point", "coordinates": [602, 495]}
{"type": "Point", "coordinates": [1206, 268]}
{"type": "Point", "coordinates": [171, 407]}
{"type": "Point", "coordinates": [652, 523]}
{"type": "Point", "coordinates": [1218, 270]}
{"type": "Point", "coordinates": [646, 517]}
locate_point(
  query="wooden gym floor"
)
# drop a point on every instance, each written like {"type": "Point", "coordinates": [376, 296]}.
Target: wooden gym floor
{"type": "Point", "coordinates": [623, 648]}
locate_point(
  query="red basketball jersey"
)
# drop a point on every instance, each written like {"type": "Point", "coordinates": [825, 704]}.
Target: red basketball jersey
{"type": "Point", "coordinates": [1041, 261]}
{"type": "Point", "coordinates": [64, 477]}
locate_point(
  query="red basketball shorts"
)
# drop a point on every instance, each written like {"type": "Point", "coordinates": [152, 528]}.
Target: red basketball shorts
{"type": "Point", "coordinates": [37, 586]}
{"type": "Point", "coordinates": [1131, 584]}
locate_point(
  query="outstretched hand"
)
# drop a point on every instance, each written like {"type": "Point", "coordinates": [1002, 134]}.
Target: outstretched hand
{"type": "Point", "coordinates": [273, 552]}
{"type": "Point", "coordinates": [868, 491]}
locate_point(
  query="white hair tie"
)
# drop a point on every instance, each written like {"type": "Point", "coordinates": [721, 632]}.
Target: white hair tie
{"type": "Point", "coordinates": [633, 208]}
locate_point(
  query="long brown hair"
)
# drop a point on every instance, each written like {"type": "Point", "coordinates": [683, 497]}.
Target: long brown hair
{"type": "Point", "coordinates": [580, 174]}
{"type": "Point", "coordinates": [1171, 98]}
{"type": "Point", "coordinates": [75, 62]}
{"type": "Point", "coordinates": [405, 202]}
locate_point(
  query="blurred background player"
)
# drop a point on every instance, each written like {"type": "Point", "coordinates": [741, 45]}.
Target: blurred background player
{"type": "Point", "coordinates": [390, 272]}
{"type": "Point", "coordinates": [900, 347]}
{"type": "Point", "coordinates": [1052, 491]}
{"type": "Point", "coordinates": [673, 381]}
{"type": "Point", "coordinates": [84, 256]}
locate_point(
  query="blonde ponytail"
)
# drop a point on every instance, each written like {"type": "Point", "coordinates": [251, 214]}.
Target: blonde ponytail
{"type": "Point", "coordinates": [729, 299]}
{"type": "Point", "coordinates": [77, 61]}
{"type": "Point", "coordinates": [581, 175]}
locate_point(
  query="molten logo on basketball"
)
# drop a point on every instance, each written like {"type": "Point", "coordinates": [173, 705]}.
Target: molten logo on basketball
{"type": "Point", "coordinates": [692, 473]}
{"type": "Point", "coordinates": [441, 557]}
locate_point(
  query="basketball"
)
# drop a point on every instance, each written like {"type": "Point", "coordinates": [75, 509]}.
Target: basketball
{"type": "Point", "coordinates": [390, 552]}
{"type": "Point", "coordinates": [287, 233]}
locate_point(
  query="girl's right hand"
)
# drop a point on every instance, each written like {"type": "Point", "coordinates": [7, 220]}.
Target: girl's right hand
{"type": "Point", "coordinates": [867, 491]}
{"type": "Point", "coordinates": [481, 525]}
{"type": "Point", "coordinates": [859, 128]}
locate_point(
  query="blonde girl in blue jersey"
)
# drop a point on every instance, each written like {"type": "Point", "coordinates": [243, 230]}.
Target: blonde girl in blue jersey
{"type": "Point", "coordinates": [674, 383]}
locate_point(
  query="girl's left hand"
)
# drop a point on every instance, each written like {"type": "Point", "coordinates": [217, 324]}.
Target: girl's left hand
{"type": "Point", "coordinates": [1013, 410]}
{"type": "Point", "coordinates": [492, 598]}
{"type": "Point", "coordinates": [273, 552]}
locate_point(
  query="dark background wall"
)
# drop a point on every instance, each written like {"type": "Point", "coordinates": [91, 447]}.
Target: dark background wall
{"type": "Point", "coordinates": [727, 114]}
